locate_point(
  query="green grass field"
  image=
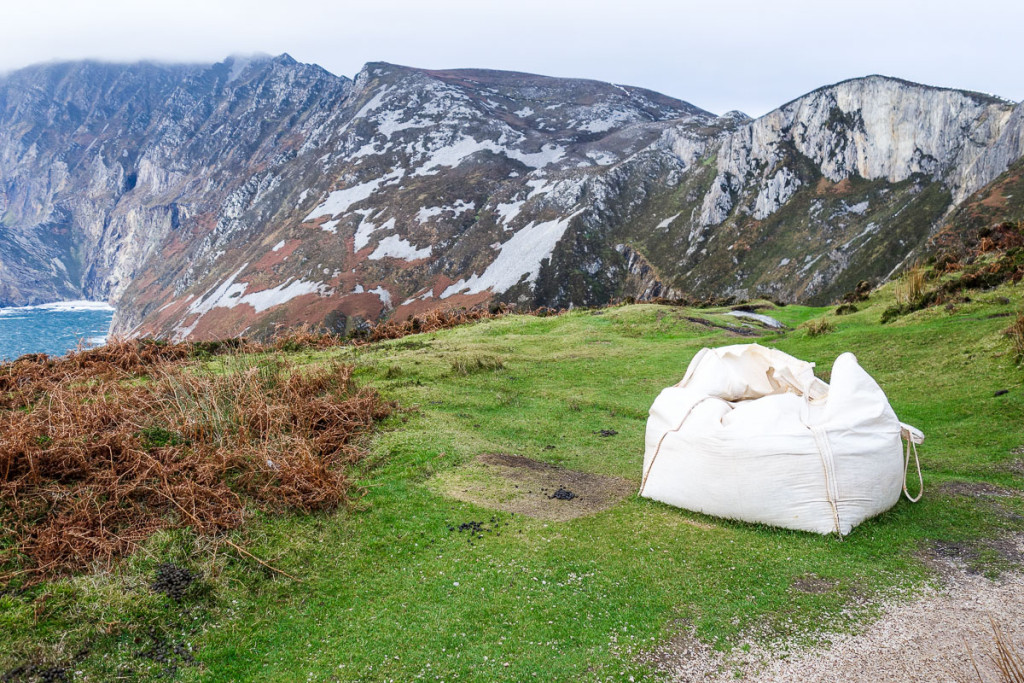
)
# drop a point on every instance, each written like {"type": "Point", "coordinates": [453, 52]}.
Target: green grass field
{"type": "Point", "coordinates": [392, 589]}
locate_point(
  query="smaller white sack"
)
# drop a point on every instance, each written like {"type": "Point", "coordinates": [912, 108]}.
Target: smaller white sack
{"type": "Point", "coordinates": [751, 434]}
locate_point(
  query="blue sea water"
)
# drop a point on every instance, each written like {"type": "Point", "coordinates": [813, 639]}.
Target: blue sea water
{"type": "Point", "coordinates": [53, 329]}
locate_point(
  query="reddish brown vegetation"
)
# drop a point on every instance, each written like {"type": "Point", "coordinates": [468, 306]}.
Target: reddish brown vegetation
{"type": "Point", "coordinates": [955, 251]}
{"type": "Point", "coordinates": [431, 321]}
{"type": "Point", "coordinates": [91, 464]}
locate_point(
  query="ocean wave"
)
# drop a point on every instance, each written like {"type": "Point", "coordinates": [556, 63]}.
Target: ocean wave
{"type": "Point", "coordinates": [60, 307]}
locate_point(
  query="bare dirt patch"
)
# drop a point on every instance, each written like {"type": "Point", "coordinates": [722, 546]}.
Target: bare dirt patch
{"type": "Point", "coordinates": [977, 490]}
{"type": "Point", "coordinates": [812, 583]}
{"type": "Point", "coordinates": [514, 483]}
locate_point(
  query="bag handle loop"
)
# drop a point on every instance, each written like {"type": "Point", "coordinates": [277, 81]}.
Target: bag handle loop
{"type": "Point", "coordinates": [912, 436]}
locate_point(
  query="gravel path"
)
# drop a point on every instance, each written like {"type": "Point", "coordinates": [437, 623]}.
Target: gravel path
{"type": "Point", "coordinates": [918, 641]}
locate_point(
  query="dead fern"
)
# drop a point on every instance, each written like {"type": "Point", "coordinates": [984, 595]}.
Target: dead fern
{"type": "Point", "coordinates": [89, 469]}
{"type": "Point", "coordinates": [1015, 332]}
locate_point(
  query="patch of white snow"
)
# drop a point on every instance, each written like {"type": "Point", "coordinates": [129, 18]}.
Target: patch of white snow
{"type": "Point", "coordinates": [383, 294]}
{"type": "Point", "coordinates": [520, 257]}
{"type": "Point", "coordinates": [396, 247]}
{"type": "Point", "coordinates": [668, 221]}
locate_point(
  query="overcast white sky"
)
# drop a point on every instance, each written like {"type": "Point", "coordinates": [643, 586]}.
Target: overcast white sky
{"type": "Point", "coordinates": [720, 55]}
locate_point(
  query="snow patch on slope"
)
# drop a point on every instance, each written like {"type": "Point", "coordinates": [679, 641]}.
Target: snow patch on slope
{"type": "Point", "coordinates": [396, 247]}
{"type": "Point", "coordinates": [268, 298]}
{"type": "Point", "coordinates": [230, 294]}
{"type": "Point", "coordinates": [366, 229]}
{"type": "Point", "coordinates": [453, 154]}
{"type": "Point", "coordinates": [339, 201]}
{"type": "Point", "coordinates": [459, 207]}
{"type": "Point", "coordinates": [665, 223]}
{"type": "Point", "coordinates": [509, 211]}
{"type": "Point", "coordinates": [611, 120]}
{"type": "Point", "coordinates": [382, 294]}
{"type": "Point", "coordinates": [520, 257]}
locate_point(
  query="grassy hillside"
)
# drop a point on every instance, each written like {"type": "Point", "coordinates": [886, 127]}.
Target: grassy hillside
{"type": "Point", "coordinates": [415, 581]}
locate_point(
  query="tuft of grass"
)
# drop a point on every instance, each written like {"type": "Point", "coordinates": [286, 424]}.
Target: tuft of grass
{"type": "Point", "coordinates": [1015, 332]}
{"type": "Point", "coordinates": [158, 437]}
{"type": "Point", "coordinates": [468, 365]}
{"type": "Point", "coordinates": [846, 309]}
{"type": "Point", "coordinates": [910, 286]}
{"type": "Point", "coordinates": [819, 326]}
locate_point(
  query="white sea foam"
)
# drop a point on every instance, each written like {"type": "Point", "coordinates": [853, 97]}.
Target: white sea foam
{"type": "Point", "coordinates": [60, 306]}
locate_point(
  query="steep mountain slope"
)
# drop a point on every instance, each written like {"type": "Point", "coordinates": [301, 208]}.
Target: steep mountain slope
{"type": "Point", "coordinates": [439, 185]}
{"type": "Point", "coordinates": [837, 186]}
{"type": "Point", "coordinates": [218, 200]}
{"type": "Point", "coordinates": [999, 201]}
{"type": "Point", "coordinates": [101, 165]}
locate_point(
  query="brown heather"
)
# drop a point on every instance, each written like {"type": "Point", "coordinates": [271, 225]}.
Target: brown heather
{"type": "Point", "coordinates": [436, 319]}
{"type": "Point", "coordinates": [1016, 334]}
{"type": "Point", "coordinates": [100, 449]}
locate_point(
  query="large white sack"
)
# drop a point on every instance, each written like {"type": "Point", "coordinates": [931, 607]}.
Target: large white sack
{"type": "Point", "coordinates": [751, 434]}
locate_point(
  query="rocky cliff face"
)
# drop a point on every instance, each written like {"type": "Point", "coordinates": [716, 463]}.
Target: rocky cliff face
{"type": "Point", "coordinates": [208, 201]}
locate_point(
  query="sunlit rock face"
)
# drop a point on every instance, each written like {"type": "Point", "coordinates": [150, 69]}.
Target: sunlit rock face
{"type": "Point", "coordinates": [217, 200]}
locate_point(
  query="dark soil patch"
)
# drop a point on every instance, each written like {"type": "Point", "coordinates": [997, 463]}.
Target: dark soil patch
{"type": "Point", "coordinates": [978, 556]}
{"type": "Point", "coordinates": [536, 489]}
{"type": "Point", "coordinates": [814, 584]}
{"type": "Point", "coordinates": [977, 490]}
{"type": "Point", "coordinates": [606, 432]}
{"type": "Point", "coordinates": [170, 655]}
{"type": "Point", "coordinates": [998, 552]}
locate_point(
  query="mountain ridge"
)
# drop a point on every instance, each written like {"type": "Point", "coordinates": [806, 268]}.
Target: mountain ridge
{"type": "Point", "coordinates": [269, 192]}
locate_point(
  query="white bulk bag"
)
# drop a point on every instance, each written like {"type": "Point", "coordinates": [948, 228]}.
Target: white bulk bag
{"type": "Point", "coordinates": [751, 434]}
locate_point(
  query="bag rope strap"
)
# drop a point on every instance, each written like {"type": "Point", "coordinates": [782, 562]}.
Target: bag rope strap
{"type": "Point", "coordinates": [913, 437]}
{"type": "Point", "coordinates": [657, 450]}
